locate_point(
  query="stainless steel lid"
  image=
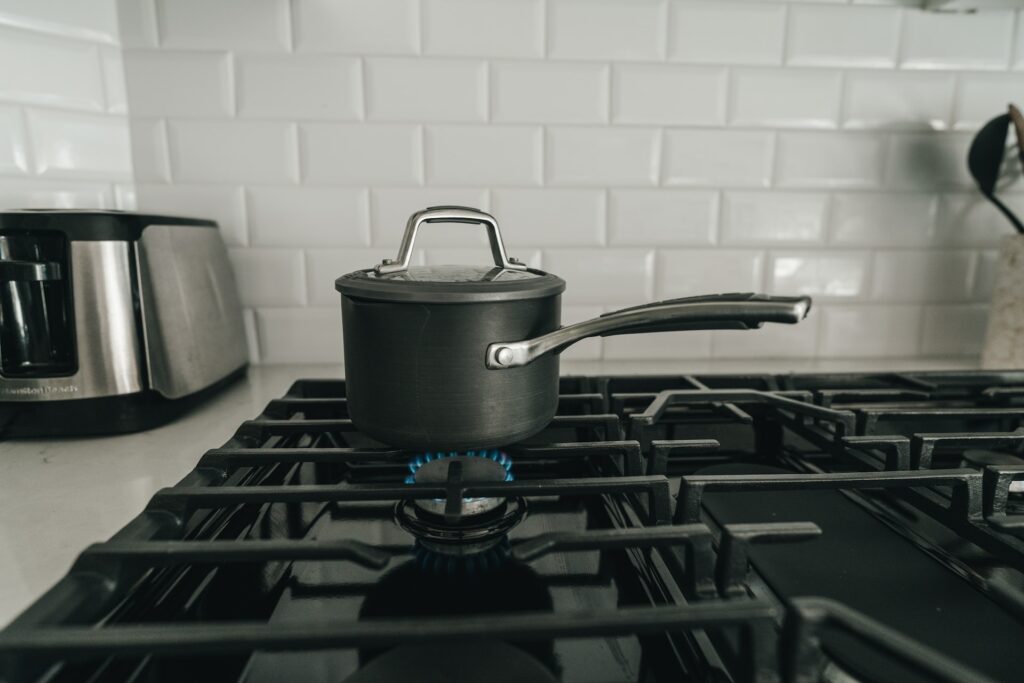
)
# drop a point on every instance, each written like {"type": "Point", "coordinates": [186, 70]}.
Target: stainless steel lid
{"type": "Point", "coordinates": [396, 280]}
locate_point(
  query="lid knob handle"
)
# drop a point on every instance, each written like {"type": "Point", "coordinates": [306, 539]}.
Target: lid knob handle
{"type": "Point", "coordinates": [448, 214]}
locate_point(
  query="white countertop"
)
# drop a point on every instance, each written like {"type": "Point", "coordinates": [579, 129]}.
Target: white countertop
{"type": "Point", "coordinates": [59, 495]}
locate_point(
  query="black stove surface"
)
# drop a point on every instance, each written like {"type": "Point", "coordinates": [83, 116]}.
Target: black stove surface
{"type": "Point", "coordinates": [669, 528]}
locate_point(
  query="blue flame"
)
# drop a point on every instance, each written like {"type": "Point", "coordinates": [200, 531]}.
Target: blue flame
{"type": "Point", "coordinates": [422, 459]}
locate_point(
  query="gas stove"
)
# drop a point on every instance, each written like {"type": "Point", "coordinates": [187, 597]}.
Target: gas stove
{"type": "Point", "coordinates": [802, 527]}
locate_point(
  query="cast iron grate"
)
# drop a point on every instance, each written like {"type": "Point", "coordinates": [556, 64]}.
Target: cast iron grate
{"type": "Point", "coordinates": [626, 455]}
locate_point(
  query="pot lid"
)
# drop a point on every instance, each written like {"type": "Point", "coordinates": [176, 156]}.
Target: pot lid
{"type": "Point", "coordinates": [396, 280]}
{"type": "Point", "coordinates": [450, 284]}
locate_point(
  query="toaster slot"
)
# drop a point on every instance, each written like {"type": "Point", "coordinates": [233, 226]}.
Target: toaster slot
{"type": "Point", "coordinates": [36, 328]}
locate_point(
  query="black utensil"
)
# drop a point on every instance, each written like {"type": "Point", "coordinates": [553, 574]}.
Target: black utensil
{"type": "Point", "coordinates": [984, 159]}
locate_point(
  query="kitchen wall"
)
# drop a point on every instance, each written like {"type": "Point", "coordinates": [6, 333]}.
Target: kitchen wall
{"type": "Point", "coordinates": [639, 148]}
{"type": "Point", "coordinates": [63, 113]}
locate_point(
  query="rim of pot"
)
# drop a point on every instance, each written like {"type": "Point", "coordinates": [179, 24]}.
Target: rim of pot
{"type": "Point", "coordinates": [450, 284]}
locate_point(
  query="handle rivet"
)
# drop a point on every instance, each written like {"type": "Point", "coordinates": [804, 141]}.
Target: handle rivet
{"type": "Point", "coordinates": [503, 355]}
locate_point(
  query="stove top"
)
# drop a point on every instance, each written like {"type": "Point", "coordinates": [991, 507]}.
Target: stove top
{"type": "Point", "coordinates": [804, 527]}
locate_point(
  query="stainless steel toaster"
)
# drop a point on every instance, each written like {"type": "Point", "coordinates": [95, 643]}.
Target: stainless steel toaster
{"type": "Point", "coordinates": [112, 321]}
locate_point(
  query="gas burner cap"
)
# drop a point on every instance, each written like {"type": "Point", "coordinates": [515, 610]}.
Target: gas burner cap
{"type": "Point", "coordinates": [466, 536]}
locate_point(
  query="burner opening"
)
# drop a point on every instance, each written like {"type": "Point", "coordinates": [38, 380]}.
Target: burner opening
{"type": "Point", "coordinates": [440, 467]}
{"type": "Point", "coordinates": [480, 522]}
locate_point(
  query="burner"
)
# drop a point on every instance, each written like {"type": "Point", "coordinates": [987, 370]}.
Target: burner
{"type": "Point", "coordinates": [467, 535]}
{"type": "Point", "coordinates": [480, 466]}
{"type": "Point", "coordinates": [480, 524]}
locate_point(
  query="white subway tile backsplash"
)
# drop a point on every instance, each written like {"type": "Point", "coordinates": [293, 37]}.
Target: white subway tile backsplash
{"type": "Point", "coordinates": [390, 208]}
{"type": "Point", "coordinates": [425, 90]}
{"type": "Point", "coordinates": [727, 158]}
{"type": "Point", "coordinates": [137, 23]}
{"type": "Point", "coordinates": [607, 29]}
{"type": "Point", "coordinates": [639, 149]}
{"type": "Point", "coordinates": [124, 197]}
{"type": "Point", "coordinates": [985, 277]}
{"type": "Point", "coordinates": [693, 272]}
{"type": "Point", "coordinates": [361, 154]}
{"type": "Point", "coordinates": [43, 70]}
{"type": "Point", "coordinates": [549, 217]}
{"type": "Point", "coordinates": [549, 92]}
{"type": "Point", "coordinates": [223, 204]}
{"type": "Point", "coordinates": [785, 98]}
{"type": "Point", "coordinates": [669, 94]}
{"type": "Point", "coordinates": [479, 255]}
{"type": "Point", "coordinates": [662, 217]}
{"type": "Point", "coordinates": [233, 151]}
{"type": "Point", "coordinates": [1017, 49]}
{"type": "Point", "coordinates": [478, 28]}
{"type": "Point", "coordinates": [601, 156]}
{"type": "Point", "coordinates": [883, 219]}
{"type": "Point", "coordinates": [726, 32]}
{"type": "Point", "coordinates": [862, 331]}
{"type": "Point", "coordinates": [483, 155]}
{"type": "Point", "coordinates": [150, 159]}
{"type": "Point", "coordinates": [308, 216]}
{"type": "Point", "coordinates": [180, 84]}
{"type": "Point", "coordinates": [844, 160]}
{"type": "Point", "coordinates": [897, 99]}
{"type": "Point", "coordinates": [954, 330]}
{"type": "Point", "coordinates": [83, 145]}
{"type": "Point", "coordinates": [300, 335]}
{"type": "Point", "coordinates": [13, 141]}
{"type": "Point", "coordinates": [843, 35]}
{"type": "Point", "coordinates": [945, 40]}
{"type": "Point", "coordinates": [588, 349]}
{"type": "Point", "coordinates": [828, 275]}
{"type": "Point", "coordinates": [324, 266]}
{"type": "Point", "coordinates": [773, 218]}
{"type": "Point", "coordinates": [301, 86]}
{"type": "Point", "coordinates": [224, 24]}
{"type": "Point", "coordinates": [603, 276]}
{"type": "Point", "coordinates": [93, 20]}
{"type": "Point", "coordinates": [983, 96]}
{"type": "Point", "coordinates": [912, 276]}
{"type": "Point", "coordinates": [658, 346]}
{"type": "Point", "coordinates": [252, 336]}
{"type": "Point", "coordinates": [269, 277]}
{"type": "Point", "coordinates": [770, 341]}
{"type": "Point", "coordinates": [967, 219]}
{"type": "Point", "coordinates": [357, 27]}
{"type": "Point", "coordinates": [927, 161]}
{"type": "Point", "coordinates": [37, 193]}
{"type": "Point", "coordinates": [114, 90]}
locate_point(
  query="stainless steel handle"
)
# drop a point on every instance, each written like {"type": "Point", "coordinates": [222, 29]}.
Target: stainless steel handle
{"type": "Point", "coordinates": [448, 214]}
{"type": "Point", "coordinates": [29, 271]}
{"type": "Point", "coordinates": [714, 312]}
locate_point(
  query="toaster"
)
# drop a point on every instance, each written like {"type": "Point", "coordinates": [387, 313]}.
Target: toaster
{"type": "Point", "coordinates": [112, 321]}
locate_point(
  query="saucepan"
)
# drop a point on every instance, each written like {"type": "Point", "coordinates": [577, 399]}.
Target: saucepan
{"type": "Point", "coordinates": [466, 357]}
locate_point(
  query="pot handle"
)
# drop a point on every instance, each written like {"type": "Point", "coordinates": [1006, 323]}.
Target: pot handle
{"type": "Point", "coordinates": [448, 214]}
{"type": "Point", "coordinates": [712, 312]}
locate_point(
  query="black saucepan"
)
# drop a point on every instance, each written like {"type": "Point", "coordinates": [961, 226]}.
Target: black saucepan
{"type": "Point", "coordinates": [466, 357]}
